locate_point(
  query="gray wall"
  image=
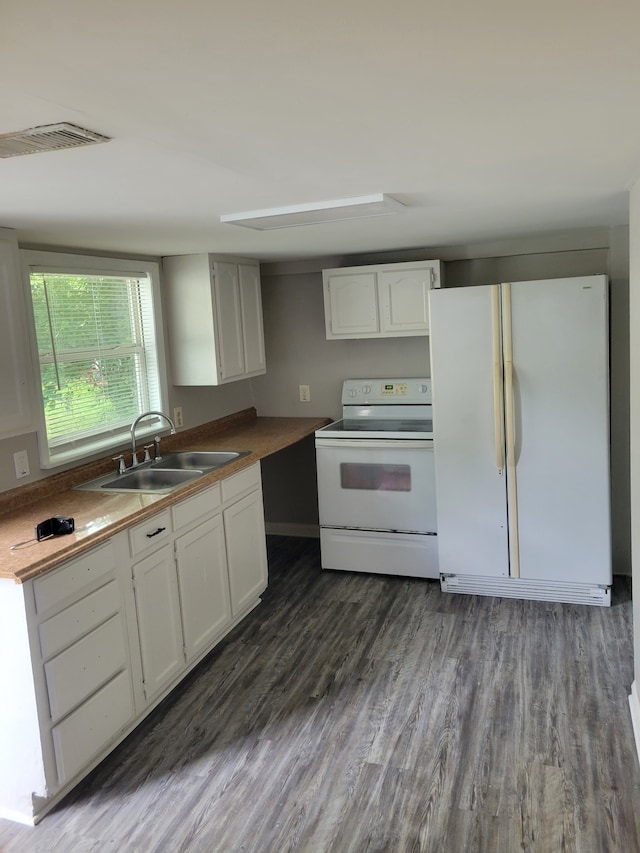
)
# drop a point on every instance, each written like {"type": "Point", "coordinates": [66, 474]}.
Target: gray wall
{"type": "Point", "coordinates": [298, 352]}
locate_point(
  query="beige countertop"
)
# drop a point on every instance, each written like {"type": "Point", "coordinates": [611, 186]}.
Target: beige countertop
{"type": "Point", "coordinates": [99, 516]}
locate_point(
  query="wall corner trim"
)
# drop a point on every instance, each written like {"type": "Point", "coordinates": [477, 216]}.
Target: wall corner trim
{"type": "Point", "coordinates": [634, 705]}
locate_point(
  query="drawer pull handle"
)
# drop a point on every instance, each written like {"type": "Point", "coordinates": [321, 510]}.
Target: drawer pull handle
{"type": "Point", "coordinates": [155, 532]}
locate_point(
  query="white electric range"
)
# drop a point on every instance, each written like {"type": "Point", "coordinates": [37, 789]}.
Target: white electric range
{"type": "Point", "coordinates": [376, 481]}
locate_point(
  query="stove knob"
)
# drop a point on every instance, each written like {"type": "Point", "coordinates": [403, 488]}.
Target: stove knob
{"type": "Point", "coordinates": [366, 389]}
{"type": "Point", "coordinates": [423, 389]}
{"type": "Point", "coordinates": [352, 392]}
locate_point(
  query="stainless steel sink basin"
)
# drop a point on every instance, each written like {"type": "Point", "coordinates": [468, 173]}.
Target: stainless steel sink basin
{"type": "Point", "coordinates": [151, 480]}
{"type": "Point", "coordinates": [200, 459]}
{"type": "Point", "coordinates": [156, 480]}
{"type": "Point", "coordinates": [167, 474]}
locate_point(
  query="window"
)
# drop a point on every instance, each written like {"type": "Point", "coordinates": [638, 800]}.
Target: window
{"type": "Point", "coordinates": [97, 350]}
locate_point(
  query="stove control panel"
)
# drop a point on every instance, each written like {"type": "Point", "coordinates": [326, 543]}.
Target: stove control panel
{"type": "Point", "coordinates": [394, 389]}
{"type": "Point", "coordinates": [387, 391]}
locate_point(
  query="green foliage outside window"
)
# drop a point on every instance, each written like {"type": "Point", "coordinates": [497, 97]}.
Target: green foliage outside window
{"type": "Point", "coordinates": [91, 349]}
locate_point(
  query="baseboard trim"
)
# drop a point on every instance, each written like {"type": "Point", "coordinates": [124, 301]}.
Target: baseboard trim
{"type": "Point", "coordinates": [278, 528]}
{"type": "Point", "coordinates": [634, 705]}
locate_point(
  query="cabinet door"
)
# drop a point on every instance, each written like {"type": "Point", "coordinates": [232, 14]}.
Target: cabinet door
{"type": "Point", "coordinates": [15, 412]}
{"type": "Point", "coordinates": [404, 300]}
{"type": "Point", "coordinates": [190, 303]}
{"type": "Point", "coordinates": [204, 585]}
{"type": "Point", "coordinates": [351, 305]}
{"type": "Point", "coordinates": [246, 551]}
{"type": "Point", "coordinates": [252, 326]}
{"type": "Point", "coordinates": [228, 321]}
{"type": "Point", "coordinates": [91, 727]}
{"type": "Point", "coordinates": [158, 610]}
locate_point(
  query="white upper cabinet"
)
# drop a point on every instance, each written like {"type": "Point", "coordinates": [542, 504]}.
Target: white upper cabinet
{"type": "Point", "coordinates": [379, 301]}
{"type": "Point", "coordinates": [214, 316]}
{"type": "Point", "coordinates": [351, 304]}
{"type": "Point", "coordinates": [252, 326]}
{"type": "Point", "coordinates": [15, 412]}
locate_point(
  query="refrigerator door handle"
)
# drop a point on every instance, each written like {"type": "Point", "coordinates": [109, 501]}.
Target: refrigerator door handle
{"type": "Point", "coordinates": [512, 490]}
{"type": "Point", "coordinates": [498, 399]}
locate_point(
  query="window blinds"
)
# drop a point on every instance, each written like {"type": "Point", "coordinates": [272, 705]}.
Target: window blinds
{"type": "Point", "coordinates": [96, 346]}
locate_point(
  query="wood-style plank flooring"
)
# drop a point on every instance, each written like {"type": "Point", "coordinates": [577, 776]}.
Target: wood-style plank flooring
{"type": "Point", "coordinates": [353, 713]}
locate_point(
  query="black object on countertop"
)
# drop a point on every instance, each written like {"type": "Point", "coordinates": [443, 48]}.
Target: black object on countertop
{"type": "Point", "coordinates": [58, 525]}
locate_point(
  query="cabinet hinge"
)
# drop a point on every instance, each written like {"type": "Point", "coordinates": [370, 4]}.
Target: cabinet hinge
{"type": "Point", "coordinates": [432, 277]}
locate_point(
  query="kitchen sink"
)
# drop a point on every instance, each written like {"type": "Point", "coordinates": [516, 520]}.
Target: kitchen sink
{"type": "Point", "coordinates": [167, 474]}
{"type": "Point", "coordinates": [151, 480]}
{"type": "Point", "coordinates": [199, 459]}
{"type": "Point", "coordinates": [156, 480]}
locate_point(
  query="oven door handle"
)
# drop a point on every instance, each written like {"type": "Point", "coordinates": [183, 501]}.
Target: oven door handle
{"type": "Point", "coordinates": [376, 443]}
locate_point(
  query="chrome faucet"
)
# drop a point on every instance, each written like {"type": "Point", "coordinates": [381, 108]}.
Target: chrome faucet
{"type": "Point", "coordinates": [134, 455]}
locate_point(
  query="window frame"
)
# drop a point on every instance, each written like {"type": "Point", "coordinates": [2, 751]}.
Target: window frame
{"type": "Point", "coordinates": [73, 263]}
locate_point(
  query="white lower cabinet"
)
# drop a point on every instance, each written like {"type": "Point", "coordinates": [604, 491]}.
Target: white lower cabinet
{"type": "Point", "coordinates": [244, 531]}
{"type": "Point", "coordinates": [67, 680]}
{"type": "Point", "coordinates": [78, 738]}
{"type": "Point", "coordinates": [82, 657]}
{"type": "Point", "coordinates": [80, 670]}
{"type": "Point", "coordinates": [94, 645]}
{"type": "Point", "coordinates": [159, 623]}
{"type": "Point", "coordinates": [203, 582]}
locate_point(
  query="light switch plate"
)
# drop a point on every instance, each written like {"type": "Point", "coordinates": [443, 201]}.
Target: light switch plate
{"type": "Point", "coordinates": [21, 463]}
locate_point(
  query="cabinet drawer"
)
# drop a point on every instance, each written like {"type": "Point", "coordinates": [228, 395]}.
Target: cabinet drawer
{"type": "Point", "coordinates": [84, 733]}
{"type": "Point", "coordinates": [77, 672]}
{"type": "Point", "coordinates": [77, 620]}
{"type": "Point", "coordinates": [150, 533]}
{"type": "Point", "coordinates": [240, 483]}
{"type": "Point", "coordinates": [56, 586]}
{"type": "Point", "coordinates": [196, 507]}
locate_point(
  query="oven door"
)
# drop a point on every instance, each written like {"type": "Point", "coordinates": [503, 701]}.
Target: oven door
{"type": "Point", "coordinates": [376, 484]}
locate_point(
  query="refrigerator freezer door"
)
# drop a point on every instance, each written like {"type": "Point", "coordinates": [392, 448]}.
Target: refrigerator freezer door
{"type": "Point", "coordinates": [470, 485]}
{"type": "Point", "coordinates": [560, 358]}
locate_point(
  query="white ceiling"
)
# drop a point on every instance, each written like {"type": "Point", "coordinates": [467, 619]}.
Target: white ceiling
{"type": "Point", "coordinates": [490, 120]}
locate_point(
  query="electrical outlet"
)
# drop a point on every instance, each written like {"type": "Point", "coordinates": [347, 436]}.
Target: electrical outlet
{"type": "Point", "coordinates": [21, 463]}
{"type": "Point", "coordinates": [177, 416]}
{"type": "Point", "coordinates": [305, 394]}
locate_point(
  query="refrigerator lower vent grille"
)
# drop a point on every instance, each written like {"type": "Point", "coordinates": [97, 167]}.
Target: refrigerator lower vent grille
{"type": "Point", "coordinates": [569, 593]}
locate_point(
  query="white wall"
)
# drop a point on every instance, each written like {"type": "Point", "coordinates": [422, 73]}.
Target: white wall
{"type": "Point", "coordinates": [634, 394]}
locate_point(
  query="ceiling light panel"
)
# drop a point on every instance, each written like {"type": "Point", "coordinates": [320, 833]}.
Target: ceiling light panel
{"type": "Point", "coordinates": [315, 213]}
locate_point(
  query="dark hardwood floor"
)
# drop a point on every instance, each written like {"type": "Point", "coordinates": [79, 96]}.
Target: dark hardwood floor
{"type": "Point", "coordinates": [353, 713]}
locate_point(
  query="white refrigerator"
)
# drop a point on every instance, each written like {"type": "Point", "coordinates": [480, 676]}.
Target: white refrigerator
{"type": "Point", "coordinates": [521, 437]}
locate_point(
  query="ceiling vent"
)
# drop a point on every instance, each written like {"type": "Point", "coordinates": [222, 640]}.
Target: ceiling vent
{"type": "Point", "coordinates": [316, 213]}
{"type": "Point", "coordinates": [47, 137]}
